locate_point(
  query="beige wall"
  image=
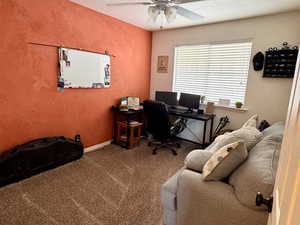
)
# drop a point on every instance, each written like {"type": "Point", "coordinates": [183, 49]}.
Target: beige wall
{"type": "Point", "coordinates": [267, 97]}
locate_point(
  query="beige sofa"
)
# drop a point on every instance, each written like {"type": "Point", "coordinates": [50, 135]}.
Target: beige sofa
{"type": "Point", "coordinates": [188, 200]}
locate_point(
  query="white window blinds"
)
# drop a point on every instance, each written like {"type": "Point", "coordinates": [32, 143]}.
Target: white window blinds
{"type": "Point", "coordinates": [213, 70]}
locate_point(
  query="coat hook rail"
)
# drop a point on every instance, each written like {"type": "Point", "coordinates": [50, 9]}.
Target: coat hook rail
{"type": "Point", "coordinates": [80, 49]}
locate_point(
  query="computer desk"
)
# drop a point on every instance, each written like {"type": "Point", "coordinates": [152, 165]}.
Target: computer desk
{"type": "Point", "coordinates": [194, 115]}
{"type": "Point", "coordinates": [129, 115]}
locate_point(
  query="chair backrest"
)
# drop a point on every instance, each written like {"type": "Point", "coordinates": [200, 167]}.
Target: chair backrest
{"type": "Point", "coordinates": [158, 123]}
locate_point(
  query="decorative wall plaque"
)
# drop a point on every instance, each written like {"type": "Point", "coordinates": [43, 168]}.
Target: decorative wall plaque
{"type": "Point", "coordinates": [162, 64]}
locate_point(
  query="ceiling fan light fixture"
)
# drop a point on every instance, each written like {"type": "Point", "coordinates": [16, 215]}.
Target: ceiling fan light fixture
{"type": "Point", "coordinates": [170, 13]}
{"type": "Point", "coordinates": [167, 9]}
{"type": "Point", "coordinates": [153, 12]}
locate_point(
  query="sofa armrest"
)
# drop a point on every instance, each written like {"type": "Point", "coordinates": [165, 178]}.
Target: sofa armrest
{"type": "Point", "coordinates": [207, 203]}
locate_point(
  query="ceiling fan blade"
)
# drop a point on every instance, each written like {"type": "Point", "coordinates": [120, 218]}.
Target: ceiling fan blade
{"type": "Point", "coordinates": [188, 13]}
{"type": "Point", "coordinates": [129, 3]}
{"type": "Point", "coordinates": [187, 1]}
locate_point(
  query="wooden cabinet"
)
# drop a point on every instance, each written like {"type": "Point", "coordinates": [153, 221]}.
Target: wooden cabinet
{"type": "Point", "coordinates": [133, 137]}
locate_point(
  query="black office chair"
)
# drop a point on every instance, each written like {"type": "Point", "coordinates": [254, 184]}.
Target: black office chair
{"type": "Point", "coordinates": [159, 126]}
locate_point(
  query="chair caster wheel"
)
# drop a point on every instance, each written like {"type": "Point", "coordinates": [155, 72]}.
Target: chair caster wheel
{"type": "Point", "coordinates": [154, 153]}
{"type": "Point", "coordinates": [149, 144]}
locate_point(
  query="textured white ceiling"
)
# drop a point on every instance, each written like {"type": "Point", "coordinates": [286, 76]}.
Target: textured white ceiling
{"type": "Point", "coordinates": [212, 10]}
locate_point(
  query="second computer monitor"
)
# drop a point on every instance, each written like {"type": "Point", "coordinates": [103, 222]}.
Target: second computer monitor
{"type": "Point", "coordinates": [189, 100]}
{"type": "Point", "coordinates": [170, 98]}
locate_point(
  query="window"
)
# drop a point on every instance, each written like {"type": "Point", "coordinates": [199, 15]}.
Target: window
{"type": "Point", "coordinates": [213, 70]}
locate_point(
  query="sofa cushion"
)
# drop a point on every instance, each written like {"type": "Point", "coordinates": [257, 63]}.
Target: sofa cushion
{"type": "Point", "coordinates": [274, 130]}
{"type": "Point", "coordinates": [252, 122]}
{"type": "Point", "coordinates": [169, 190]}
{"type": "Point", "coordinates": [257, 173]}
{"type": "Point", "coordinates": [196, 159]}
{"type": "Point", "coordinates": [249, 135]}
{"type": "Point", "coordinates": [224, 161]}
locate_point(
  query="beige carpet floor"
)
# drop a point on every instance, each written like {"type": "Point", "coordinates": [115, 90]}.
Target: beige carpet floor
{"type": "Point", "coordinates": [111, 186]}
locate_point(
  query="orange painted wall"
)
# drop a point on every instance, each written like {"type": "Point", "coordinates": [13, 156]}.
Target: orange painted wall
{"type": "Point", "coordinates": [30, 105]}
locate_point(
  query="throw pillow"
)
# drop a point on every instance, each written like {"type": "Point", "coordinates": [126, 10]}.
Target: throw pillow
{"type": "Point", "coordinates": [252, 122]}
{"type": "Point", "coordinates": [196, 159]}
{"type": "Point", "coordinates": [223, 162]}
{"type": "Point", "coordinates": [249, 135]}
{"type": "Point", "coordinates": [275, 129]}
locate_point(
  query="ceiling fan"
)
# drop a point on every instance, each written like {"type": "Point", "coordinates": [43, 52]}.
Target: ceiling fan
{"type": "Point", "coordinates": [168, 8]}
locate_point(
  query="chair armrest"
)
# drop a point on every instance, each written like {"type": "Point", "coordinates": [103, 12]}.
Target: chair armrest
{"type": "Point", "coordinates": [206, 203]}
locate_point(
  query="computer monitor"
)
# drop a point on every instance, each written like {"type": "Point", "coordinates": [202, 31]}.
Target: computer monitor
{"type": "Point", "coordinates": [189, 100]}
{"type": "Point", "coordinates": [170, 98]}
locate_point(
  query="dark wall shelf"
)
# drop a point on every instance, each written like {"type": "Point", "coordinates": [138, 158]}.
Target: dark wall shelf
{"type": "Point", "coordinates": [280, 63]}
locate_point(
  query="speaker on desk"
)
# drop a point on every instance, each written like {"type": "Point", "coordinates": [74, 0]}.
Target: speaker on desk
{"type": "Point", "coordinates": [210, 107]}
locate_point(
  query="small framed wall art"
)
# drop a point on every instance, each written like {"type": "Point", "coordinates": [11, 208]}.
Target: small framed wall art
{"type": "Point", "coordinates": [162, 64]}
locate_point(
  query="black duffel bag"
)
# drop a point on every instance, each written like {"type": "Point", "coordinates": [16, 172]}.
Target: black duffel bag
{"type": "Point", "coordinates": [36, 156]}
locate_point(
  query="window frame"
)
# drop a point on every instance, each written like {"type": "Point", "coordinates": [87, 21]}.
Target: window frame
{"type": "Point", "coordinates": [231, 106]}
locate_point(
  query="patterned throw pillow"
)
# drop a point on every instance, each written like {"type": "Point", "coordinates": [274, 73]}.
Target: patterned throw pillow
{"type": "Point", "coordinates": [224, 161]}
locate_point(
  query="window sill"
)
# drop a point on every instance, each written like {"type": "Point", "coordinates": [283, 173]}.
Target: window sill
{"type": "Point", "coordinates": [230, 108]}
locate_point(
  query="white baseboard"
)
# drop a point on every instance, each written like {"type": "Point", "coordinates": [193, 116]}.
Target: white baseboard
{"type": "Point", "coordinates": [97, 147]}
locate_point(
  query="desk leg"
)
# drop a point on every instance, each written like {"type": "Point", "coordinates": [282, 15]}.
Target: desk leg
{"type": "Point", "coordinates": [211, 129]}
{"type": "Point", "coordinates": [128, 132]}
{"type": "Point", "coordinates": [204, 134]}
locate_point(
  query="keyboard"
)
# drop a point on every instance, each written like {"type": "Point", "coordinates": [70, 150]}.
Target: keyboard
{"type": "Point", "coordinates": [177, 110]}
